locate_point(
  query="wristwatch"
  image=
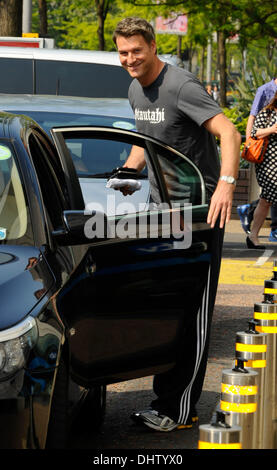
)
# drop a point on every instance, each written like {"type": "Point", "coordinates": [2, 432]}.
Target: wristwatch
{"type": "Point", "coordinates": [228, 179]}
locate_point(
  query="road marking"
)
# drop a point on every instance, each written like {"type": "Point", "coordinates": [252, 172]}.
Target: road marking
{"type": "Point", "coordinates": [262, 259]}
{"type": "Point", "coordinates": [246, 272]}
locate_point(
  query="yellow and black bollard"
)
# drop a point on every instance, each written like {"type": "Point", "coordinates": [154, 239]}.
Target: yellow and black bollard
{"type": "Point", "coordinates": [239, 398]}
{"type": "Point", "coordinates": [270, 286]}
{"type": "Point", "coordinates": [219, 435]}
{"type": "Point", "coordinates": [270, 290]}
{"type": "Point", "coordinates": [251, 347]}
{"type": "Point", "coordinates": [265, 315]}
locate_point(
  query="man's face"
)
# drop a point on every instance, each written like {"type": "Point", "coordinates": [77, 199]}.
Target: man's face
{"type": "Point", "coordinates": [137, 57]}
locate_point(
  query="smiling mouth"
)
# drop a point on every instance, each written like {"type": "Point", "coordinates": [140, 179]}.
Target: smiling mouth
{"type": "Point", "coordinates": [133, 67]}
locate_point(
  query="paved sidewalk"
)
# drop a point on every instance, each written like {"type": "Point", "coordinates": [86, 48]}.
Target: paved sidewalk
{"type": "Point", "coordinates": [235, 234]}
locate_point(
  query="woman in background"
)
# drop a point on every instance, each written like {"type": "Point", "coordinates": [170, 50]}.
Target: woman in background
{"type": "Point", "coordinates": [265, 125]}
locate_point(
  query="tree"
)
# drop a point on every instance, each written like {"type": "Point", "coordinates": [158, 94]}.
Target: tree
{"type": "Point", "coordinates": [10, 17]}
{"type": "Point", "coordinates": [78, 25]}
{"type": "Point", "coordinates": [102, 8]}
{"type": "Point", "coordinates": [250, 19]}
{"type": "Point", "coordinates": [42, 7]}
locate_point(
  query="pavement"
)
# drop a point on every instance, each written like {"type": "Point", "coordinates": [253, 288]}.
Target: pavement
{"type": "Point", "coordinates": [243, 266]}
{"type": "Point", "coordinates": [235, 234]}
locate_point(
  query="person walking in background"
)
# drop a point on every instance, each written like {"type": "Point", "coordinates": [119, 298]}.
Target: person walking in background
{"type": "Point", "coordinates": [215, 93]}
{"type": "Point", "coordinates": [263, 96]}
{"type": "Point", "coordinates": [191, 120]}
{"type": "Point", "coordinates": [265, 125]}
{"type": "Point", "coordinates": [209, 89]}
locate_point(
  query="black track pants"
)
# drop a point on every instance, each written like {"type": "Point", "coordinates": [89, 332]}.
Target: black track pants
{"type": "Point", "coordinates": [179, 389]}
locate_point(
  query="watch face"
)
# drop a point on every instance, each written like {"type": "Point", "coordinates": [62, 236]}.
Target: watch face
{"type": "Point", "coordinates": [228, 179]}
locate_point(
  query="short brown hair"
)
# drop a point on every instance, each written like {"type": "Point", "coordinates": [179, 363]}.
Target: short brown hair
{"type": "Point", "coordinates": [131, 26]}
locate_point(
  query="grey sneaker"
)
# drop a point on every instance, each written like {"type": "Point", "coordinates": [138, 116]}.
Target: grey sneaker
{"type": "Point", "coordinates": [155, 420]}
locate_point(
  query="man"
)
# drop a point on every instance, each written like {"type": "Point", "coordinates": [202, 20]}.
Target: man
{"type": "Point", "coordinates": [263, 96]}
{"type": "Point", "coordinates": [192, 119]}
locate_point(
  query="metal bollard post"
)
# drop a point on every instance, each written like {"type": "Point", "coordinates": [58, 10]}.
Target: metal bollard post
{"type": "Point", "coordinates": [270, 288]}
{"type": "Point", "coordinates": [251, 347]}
{"type": "Point", "coordinates": [265, 315]}
{"type": "Point", "coordinates": [274, 278]}
{"type": "Point", "coordinates": [219, 435]}
{"type": "Point", "coordinates": [239, 399]}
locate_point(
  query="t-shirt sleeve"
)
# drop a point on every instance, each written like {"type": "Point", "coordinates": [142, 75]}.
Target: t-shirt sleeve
{"type": "Point", "coordinates": [196, 103]}
{"type": "Point", "coordinates": [131, 94]}
{"type": "Point", "coordinates": [258, 102]}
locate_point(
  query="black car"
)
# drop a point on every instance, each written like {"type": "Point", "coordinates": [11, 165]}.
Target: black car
{"type": "Point", "coordinates": [88, 299]}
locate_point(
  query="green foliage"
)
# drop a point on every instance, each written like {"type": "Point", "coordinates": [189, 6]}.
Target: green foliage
{"type": "Point", "coordinates": [236, 117]}
{"type": "Point", "coordinates": [259, 71]}
{"type": "Point", "coordinates": [240, 121]}
{"type": "Point", "coordinates": [73, 24]}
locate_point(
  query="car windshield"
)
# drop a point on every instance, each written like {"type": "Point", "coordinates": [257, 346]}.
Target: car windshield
{"type": "Point", "coordinates": [47, 120]}
{"type": "Point", "coordinates": [14, 225]}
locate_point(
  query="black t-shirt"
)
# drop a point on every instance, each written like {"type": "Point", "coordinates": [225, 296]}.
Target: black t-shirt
{"type": "Point", "coordinates": [172, 109]}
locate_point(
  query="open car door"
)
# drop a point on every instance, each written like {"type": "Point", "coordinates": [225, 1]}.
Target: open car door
{"type": "Point", "coordinates": [148, 275]}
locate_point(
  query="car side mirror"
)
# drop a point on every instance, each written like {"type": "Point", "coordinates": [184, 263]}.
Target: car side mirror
{"type": "Point", "coordinates": [82, 227]}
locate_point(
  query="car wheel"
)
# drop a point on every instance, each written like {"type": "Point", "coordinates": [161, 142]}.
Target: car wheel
{"type": "Point", "coordinates": [59, 422]}
{"type": "Point", "coordinates": [91, 411]}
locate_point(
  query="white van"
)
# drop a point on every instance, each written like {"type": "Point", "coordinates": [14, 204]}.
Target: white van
{"type": "Point", "coordinates": [67, 72]}
{"type": "Point", "coordinates": [62, 72]}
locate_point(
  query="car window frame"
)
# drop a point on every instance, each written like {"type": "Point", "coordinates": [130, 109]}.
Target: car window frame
{"type": "Point", "coordinates": [52, 161]}
{"type": "Point", "coordinates": [103, 132]}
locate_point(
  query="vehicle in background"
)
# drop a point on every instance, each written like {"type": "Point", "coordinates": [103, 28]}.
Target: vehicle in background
{"type": "Point", "coordinates": [31, 40]}
{"type": "Point", "coordinates": [68, 72]}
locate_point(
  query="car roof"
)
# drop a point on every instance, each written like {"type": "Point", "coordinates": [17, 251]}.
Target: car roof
{"type": "Point", "coordinates": [72, 55]}
{"type": "Point", "coordinates": [66, 104]}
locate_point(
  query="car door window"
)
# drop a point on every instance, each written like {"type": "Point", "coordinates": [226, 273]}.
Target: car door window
{"type": "Point", "coordinates": [94, 160]}
{"type": "Point", "coordinates": [183, 180]}
{"type": "Point", "coordinates": [168, 178]}
{"type": "Point", "coordinates": [12, 68]}
{"type": "Point", "coordinates": [81, 79]}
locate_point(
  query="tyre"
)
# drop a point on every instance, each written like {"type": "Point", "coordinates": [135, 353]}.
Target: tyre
{"type": "Point", "coordinates": [59, 420]}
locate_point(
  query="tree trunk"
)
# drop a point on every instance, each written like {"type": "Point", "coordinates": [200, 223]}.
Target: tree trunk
{"type": "Point", "coordinates": [179, 46]}
{"type": "Point", "coordinates": [102, 7]}
{"type": "Point", "coordinates": [43, 27]}
{"type": "Point", "coordinates": [202, 63]}
{"type": "Point", "coordinates": [11, 18]}
{"type": "Point", "coordinates": [190, 57]}
{"type": "Point", "coordinates": [100, 33]}
{"type": "Point", "coordinates": [222, 68]}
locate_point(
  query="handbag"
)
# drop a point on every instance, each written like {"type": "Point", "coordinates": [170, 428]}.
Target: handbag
{"type": "Point", "coordinates": [254, 149]}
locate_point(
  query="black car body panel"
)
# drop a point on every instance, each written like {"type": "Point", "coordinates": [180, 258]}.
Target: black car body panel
{"type": "Point", "coordinates": [141, 315]}
{"type": "Point", "coordinates": [24, 271]}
